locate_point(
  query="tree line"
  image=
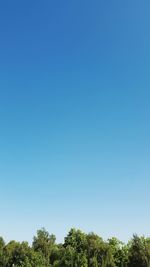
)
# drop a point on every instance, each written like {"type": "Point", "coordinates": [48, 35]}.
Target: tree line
{"type": "Point", "coordinates": [78, 250]}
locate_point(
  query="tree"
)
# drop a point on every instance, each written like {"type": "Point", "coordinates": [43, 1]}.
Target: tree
{"type": "Point", "coordinates": [2, 245]}
{"type": "Point", "coordinates": [77, 240]}
{"type": "Point", "coordinates": [99, 252]}
{"type": "Point", "coordinates": [119, 252]}
{"type": "Point", "coordinates": [139, 252]}
{"type": "Point", "coordinates": [76, 249]}
{"type": "Point", "coordinates": [44, 243]}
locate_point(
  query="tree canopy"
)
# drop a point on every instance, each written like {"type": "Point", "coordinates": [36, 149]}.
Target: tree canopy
{"type": "Point", "coordinates": [78, 250]}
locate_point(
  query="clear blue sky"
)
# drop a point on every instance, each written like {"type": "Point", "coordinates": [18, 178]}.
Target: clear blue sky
{"type": "Point", "coordinates": [74, 117]}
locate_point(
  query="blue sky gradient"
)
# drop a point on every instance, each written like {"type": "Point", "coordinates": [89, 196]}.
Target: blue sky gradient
{"type": "Point", "coordinates": [74, 117]}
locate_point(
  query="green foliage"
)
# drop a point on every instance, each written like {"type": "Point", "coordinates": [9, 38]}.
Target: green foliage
{"type": "Point", "coordinates": [139, 252]}
{"type": "Point", "coordinates": [119, 252]}
{"type": "Point", "coordinates": [44, 243]}
{"type": "Point", "coordinates": [77, 240]}
{"type": "Point", "coordinates": [79, 250]}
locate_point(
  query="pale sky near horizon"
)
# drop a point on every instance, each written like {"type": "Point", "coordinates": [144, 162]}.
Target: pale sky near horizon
{"type": "Point", "coordinates": [74, 117]}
